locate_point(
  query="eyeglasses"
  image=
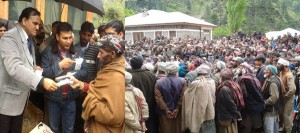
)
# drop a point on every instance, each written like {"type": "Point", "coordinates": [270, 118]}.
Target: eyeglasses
{"type": "Point", "coordinates": [2, 30]}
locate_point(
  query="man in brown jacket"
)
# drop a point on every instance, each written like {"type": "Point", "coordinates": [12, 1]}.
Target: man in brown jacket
{"type": "Point", "coordinates": [287, 79]}
{"type": "Point", "coordinates": [103, 107]}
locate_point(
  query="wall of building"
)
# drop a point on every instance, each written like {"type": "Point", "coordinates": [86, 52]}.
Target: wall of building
{"type": "Point", "coordinates": [182, 33]}
{"type": "Point", "coordinates": [190, 34]}
{"type": "Point", "coordinates": [149, 34]}
{"type": "Point", "coordinates": [128, 36]}
{"type": "Point", "coordinates": [180, 30]}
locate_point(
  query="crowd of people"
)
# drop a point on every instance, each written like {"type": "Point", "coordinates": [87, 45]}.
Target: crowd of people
{"type": "Point", "coordinates": [236, 84]}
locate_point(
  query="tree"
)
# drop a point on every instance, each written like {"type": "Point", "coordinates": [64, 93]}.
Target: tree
{"type": "Point", "coordinates": [249, 15]}
{"type": "Point", "coordinates": [129, 12]}
{"type": "Point", "coordinates": [215, 18]}
{"type": "Point", "coordinates": [188, 7]}
{"type": "Point", "coordinates": [236, 14]}
{"type": "Point", "coordinates": [113, 10]}
{"type": "Point", "coordinates": [221, 32]}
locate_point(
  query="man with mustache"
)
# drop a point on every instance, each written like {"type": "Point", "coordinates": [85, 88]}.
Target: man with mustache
{"type": "Point", "coordinates": [287, 79]}
{"type": "Point", "coordinates": [17, 71]}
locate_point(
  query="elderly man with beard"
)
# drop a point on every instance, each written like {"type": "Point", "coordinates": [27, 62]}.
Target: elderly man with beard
{"type": "Point", "coordinates": [198, 103]}
{"type": "Point", "coordinates": [168, 95]}
{"type": "Point", "coordinates": [192, 75]}
{"type": "Point", "coordinates": [136, 108]}
{"type": "Point", "coordinates": [218, 66]}
{"type": "Point", "coordinates": [287, 79]}
{"type": "Point", "coordinates": [237, 61]}
{"type": "Point", "coordinates": [227, 112]}
{"type": "Point", "coordinates": [161, 68]}
{"type": "Point", "coordinates": [103, 107]}
{"type": "Point", "coordinates": [272, 93]}
{"type": "Point", "coordinates": [253, 98]}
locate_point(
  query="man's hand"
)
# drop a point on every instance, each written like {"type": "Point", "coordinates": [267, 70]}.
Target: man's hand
{"type": "Point", "coordinates": [144, 128]}
{"type": "Point", "coordinates": [66, 63]}
{"type": "Point", "coordinates": [175, 113]}
{"type": "Point", "coordinates": [76, 83]}
{"type": "Point", "coordinates": [49, 84]}
{"type": "Point", "coordinates": [38, 68]}
{"type": "Point", "coordinates": [169, 114]}
{"type": "Point", "coordinates": [92, 42]}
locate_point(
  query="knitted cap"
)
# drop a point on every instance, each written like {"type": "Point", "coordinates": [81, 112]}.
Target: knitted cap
{"type": "Point", "coordinates": [227, 73]}
{"type": "Point", "coordinates": [272, 68]}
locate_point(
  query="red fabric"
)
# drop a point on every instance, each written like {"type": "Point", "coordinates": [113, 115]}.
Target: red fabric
{"type": "Point", "coordinates": [85, 87]}
{"type": "Point", "coordinates": [139, 102]}
{"type": "Point", "coordinates": [236, 92]}
{"type": "Point", "coordinates": [253, 79]}
{"type": "Point", "coordinates": [192, 67]}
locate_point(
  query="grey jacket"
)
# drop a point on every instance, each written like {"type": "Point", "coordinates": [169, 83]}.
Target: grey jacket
{"type": "Point", "coordinates": [16, 72]}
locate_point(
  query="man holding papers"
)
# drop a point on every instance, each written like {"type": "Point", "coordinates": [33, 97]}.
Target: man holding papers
{"type": "Point", "coordinates": [59, 60]}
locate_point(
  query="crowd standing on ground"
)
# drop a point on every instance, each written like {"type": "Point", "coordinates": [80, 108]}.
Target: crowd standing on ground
{"type": "Point", "coordinates": [233, 84]}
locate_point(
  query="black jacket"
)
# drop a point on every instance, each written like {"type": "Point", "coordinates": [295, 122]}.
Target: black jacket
{"type": "Point", "coordinates": [226, 109]}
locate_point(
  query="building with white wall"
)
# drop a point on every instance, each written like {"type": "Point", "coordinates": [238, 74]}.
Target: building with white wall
{"type": "Point", "coordinates": [169, 24]}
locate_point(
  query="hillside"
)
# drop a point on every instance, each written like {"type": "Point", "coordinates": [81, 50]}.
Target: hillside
{"type": "Point", "coordinates": [261, 15]}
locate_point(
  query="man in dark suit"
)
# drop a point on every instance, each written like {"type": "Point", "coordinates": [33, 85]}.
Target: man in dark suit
{"type": "Point", "coordinates": [18, 71]}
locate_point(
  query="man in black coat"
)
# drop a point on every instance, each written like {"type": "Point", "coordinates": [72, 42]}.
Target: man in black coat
{"type": "Point", "coordinates": [145, 81]}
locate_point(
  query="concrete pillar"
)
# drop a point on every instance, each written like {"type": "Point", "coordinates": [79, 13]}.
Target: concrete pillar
{"type": "Point", "coordinates": [64, 13]}
{"type": "Point", "coordinates": [4, 5]}
{"type": "Point", "coordinates": [40, 6]}
{"type": "Point", "coordinates": [89, 16]}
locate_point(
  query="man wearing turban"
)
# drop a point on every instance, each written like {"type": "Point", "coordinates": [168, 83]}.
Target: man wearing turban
{"type": "Point", "coordinates": [198, 103]}
{"type": "Point", "coordinates": [168, 95]}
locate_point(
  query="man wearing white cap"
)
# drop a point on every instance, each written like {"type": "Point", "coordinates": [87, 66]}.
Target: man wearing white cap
{"type": "Point", "coordinates": [198, 103]}
{"type": "Point", "coordinates": [287, 79]}
{"type": "Point", "coordinates": [136, 108]}
{"type": "Point", "coordinates": [168, 95]}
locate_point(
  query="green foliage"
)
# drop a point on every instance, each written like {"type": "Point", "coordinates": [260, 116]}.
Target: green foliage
{"type": "Point", "coordinates": [215, 18]}
{"type": "Point", "coordinates": [259, 15]}
{"type": "Point", "coordinates": [221, 32]}
{"type": "Point", "coordinates": [236, 14]}
{"type": "Point", "coordinates": [114, 9]}
{"type": "Point", "coordinates": [129, 12]}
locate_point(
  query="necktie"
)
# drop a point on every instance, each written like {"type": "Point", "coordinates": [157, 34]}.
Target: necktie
{"type": "Point", "coordinates": [29, 43]}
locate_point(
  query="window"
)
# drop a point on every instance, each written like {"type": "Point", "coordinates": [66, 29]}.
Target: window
{"type": "Point", "coordinates": [158, 33]}
{"type": "Point", "coordinates": [172, 34]}
{"type": "Point", "coordinates": [138, 36]}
